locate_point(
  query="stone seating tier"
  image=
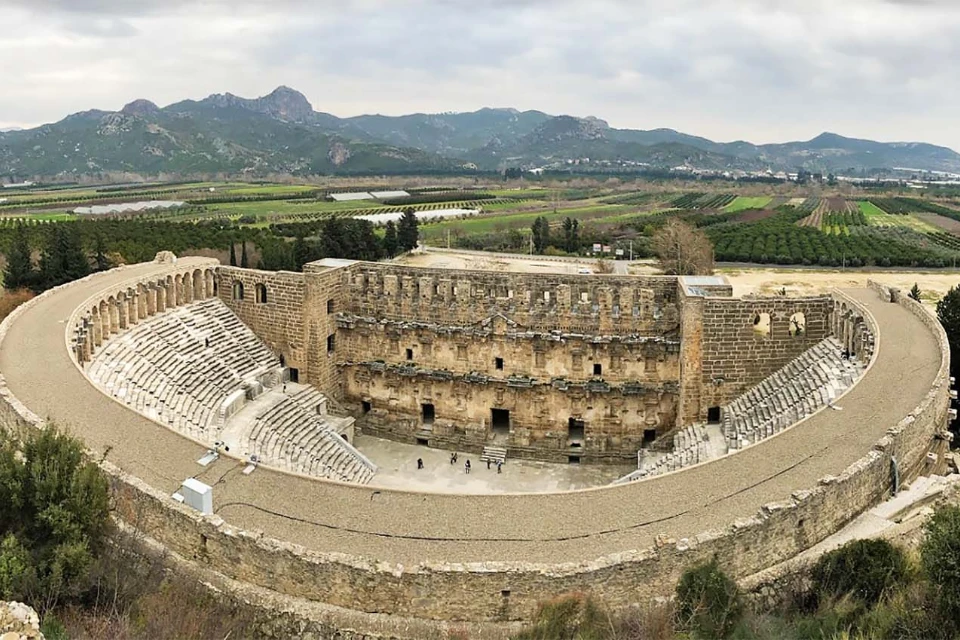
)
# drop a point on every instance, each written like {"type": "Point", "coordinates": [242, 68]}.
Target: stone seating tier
{"type": "Point", "coordinates": [178, 367]}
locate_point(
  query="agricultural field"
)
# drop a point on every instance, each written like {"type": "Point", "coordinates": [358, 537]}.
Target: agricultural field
{"type": "Point", "coordinates": [742, 203]}
{"type": "Point", "coordinates": [758, 225]}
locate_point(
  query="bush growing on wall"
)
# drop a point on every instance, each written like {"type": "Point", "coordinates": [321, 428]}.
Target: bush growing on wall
{"type": "Point", "coordinates": [940, 556]}
{"type": "Point", "coordinates": [708, 601]}
{"type": "Point", "coordinates": [862, 569]}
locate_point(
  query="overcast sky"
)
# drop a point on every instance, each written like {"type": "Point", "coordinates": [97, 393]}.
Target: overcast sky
{"type": "Point", "coordinates": [766, 71]}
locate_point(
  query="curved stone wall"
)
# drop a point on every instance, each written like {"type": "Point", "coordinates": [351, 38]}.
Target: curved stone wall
{"type": "Point", "coordinates": [493, 589]}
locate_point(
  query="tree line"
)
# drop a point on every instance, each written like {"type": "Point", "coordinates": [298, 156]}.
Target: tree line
{"type": "Point", "coordinates": [42, 256]}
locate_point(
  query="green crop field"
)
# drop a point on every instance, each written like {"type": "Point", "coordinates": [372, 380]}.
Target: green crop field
{"type": "Point", "coordinates": [521, 221]}
{"type": "Point", "coordinates": [877, 217]}
{"type": "Point", "coordinates": [742, 203]}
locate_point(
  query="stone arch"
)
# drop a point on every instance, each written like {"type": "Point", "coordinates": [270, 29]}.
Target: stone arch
{"type": "Point", "coordinates": [237, 290]}
{"type": "Point", "coordinates": [211, 283]}
{"type": "Point", "coordinates": [199, 285]}
{"type": "Point", "coordinates": [761, 324]}
{"type": "Point", "coordinates": [798, 324]}
{"type": "Point", "coordinates": [260, 293]}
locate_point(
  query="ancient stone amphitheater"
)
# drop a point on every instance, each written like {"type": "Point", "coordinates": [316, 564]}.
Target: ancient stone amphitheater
{"type": "Point", "coordinates": [756, 427]}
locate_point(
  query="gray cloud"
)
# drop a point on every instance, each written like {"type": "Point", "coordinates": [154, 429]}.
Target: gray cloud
{"type": "Point", "coordinates": [729, 69]}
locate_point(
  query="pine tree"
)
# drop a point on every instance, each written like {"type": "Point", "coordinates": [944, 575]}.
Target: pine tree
{"type": "Point", "coordinates": [100, 254]}
{"type": "Point", "coordinates": [19, 270]}
{"type": "Point", "coordinates": [51, 264]}
{"type": "Point", "coordinates": [407, 231]}
{"type": "Point", "coordinates": [390, 242]}
{"type": "Point", "coordinates": [233, 255]}
{"type": "Point", "coordinates": [302, 252]}
{"type": "Point", "coordinates": [62, 259]}
{"type": "Point", "coordinates": [76, 265]}
{"type": "Point", "coordinates": [243, 255]}
{"type": "Point", "coordinates": [915, 292]}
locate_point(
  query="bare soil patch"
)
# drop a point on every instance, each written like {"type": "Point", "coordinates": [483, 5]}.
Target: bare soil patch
{"type": "Point", "coordinates": [942, 222]}
{"type": "Point", "coordinates": [752, 215]}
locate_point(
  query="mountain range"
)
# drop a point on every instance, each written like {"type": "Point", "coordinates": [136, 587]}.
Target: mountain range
{"type": "Point", "coordinates": [282, 133]}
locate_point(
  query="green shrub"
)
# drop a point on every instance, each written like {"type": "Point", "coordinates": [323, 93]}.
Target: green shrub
{"type": "Point", "coordinates": [909, 614]}
{"type": "Point", "coordinates": [54, 513]}
{"type": "Point", "coordinates": [708, 601]}
{"type": "Point", "coordinates": [861, 569]}
{"type": "Point", "coordinates": [569, 617]}
{"type": "Point", "coordinates": [940, 556]}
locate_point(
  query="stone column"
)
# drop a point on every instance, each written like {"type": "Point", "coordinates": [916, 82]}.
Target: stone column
{"type": "Point", "coordinates": [114, 309]}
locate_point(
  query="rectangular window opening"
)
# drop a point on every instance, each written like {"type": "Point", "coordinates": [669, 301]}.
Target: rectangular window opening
{"type": "Point", "coordinates": [713, 415]}
{"type": "Point", "coordinates": [330, 305]}
{"type": "Point", "coordinates": [573, 459]}
{"type": "Point", "coordinates": [597, 369]}
{"type": "Point", "coordinates": [365, 406]}
{"type": "Point", "coordinates": [649, 435]}
{"type": "Point", "coordinates": [498, 362]}
{"type": "Point", "coordinates": [331, 342]}
{"type": "Point", "coordinates": [409, 354]}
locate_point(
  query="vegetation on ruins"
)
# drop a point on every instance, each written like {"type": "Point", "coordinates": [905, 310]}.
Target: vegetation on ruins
{"type": "Point", "coordinates": [866, 589]}
{"type": "Point", "coordinates": [940, 554]}
{"type": "Point", "coordinates": [708, 601]}
{"type": "Point", "coordinates": [864, 570]}
{"type": "Point", "coordinates": [682, 249]}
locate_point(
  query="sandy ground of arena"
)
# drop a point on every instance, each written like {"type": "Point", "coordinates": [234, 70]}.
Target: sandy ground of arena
{"type": "Point", "coordinates": [410, 527]}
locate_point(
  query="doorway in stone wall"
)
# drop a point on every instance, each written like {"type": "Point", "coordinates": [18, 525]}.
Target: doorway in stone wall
{"type": "Point", "coordinates": [294, 375]}
{"type": "Point", "coordinates": [713, 415]}
{"type": "Point", "coordinates": [500, 423]}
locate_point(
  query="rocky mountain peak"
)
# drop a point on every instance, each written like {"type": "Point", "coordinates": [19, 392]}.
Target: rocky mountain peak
{"type": "Point", "coordinates": [285, 103]}
{"type": "Point", "coordinates": [140, 107]}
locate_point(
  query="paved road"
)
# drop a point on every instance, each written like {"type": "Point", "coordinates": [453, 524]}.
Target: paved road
{"type": "Point", "coordinates": [411, 528]}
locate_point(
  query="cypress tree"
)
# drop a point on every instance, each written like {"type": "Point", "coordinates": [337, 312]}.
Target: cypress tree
{"type": "Point", "coordinates": [407, 231]}
{"type": "Point", "coordinates": [243, 255]}
{"type": "Point", "coordinates": [390, 242]}
{"type": "Point", "coordinates": [233, 255]}
{"type": "Point", "coordinates": [19, 270]}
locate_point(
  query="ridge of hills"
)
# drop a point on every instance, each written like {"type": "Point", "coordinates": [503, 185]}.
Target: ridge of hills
{"type": "Point", "coordinates": [281, 132]}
